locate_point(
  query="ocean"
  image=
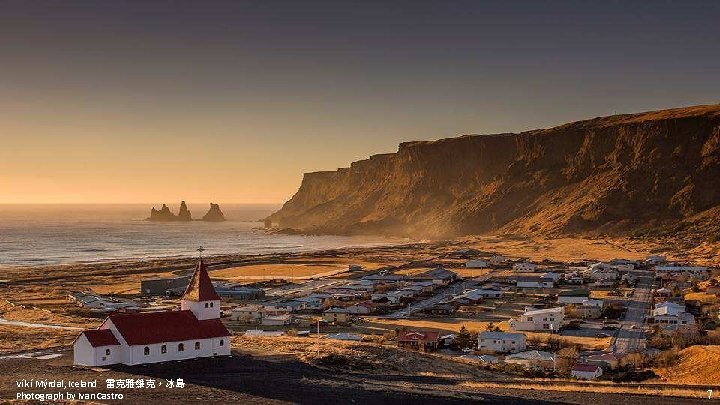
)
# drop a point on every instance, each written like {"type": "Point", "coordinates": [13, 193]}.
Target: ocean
{"type": "Point", "coordinates": [64, 234]}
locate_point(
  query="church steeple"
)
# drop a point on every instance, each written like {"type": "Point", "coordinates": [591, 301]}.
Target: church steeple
{"type": "Point", "coordinates": [200, 296]}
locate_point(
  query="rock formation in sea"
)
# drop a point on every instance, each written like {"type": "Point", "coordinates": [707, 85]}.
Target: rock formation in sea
{"type": "Point", "coordinates": [184, 214]}
{"type": "Point", "coordinates": [162, 215]}
{"type": "Point", "coordinates": [653, 173]}
{"type": "Point", "coordinates": [214, 214]}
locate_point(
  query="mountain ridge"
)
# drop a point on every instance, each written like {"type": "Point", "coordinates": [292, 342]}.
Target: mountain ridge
{"type": "Point", "coordinates": [620, 174]}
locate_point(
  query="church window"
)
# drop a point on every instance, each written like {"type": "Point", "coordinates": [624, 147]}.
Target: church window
{"type": "Point", "coordinates": [147, 351]}
{"type": "Point", "coordinates": [197, 345]}
{"type": "Point", "coordinates": [163, 349]}
{"type": "Point", "coordinates": [181, 347]}
{"type": "Point", "coordinates": [206, 305]}
{"type": "Point", "coordinates": [107, 352]}
{"type": "Point", "coordinates": [222, 342]}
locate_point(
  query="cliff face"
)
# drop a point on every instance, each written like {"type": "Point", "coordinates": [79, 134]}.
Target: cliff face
{"type": "Point", "coordinates": [620, 174]}
{"type": "Point", "coordinates": [214, 214]}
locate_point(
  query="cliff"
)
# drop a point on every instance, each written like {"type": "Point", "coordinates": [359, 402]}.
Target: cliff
{"type": "Point", "coordinates": [625, 174]}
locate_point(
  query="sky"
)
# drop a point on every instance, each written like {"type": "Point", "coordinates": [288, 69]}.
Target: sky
{"type": "Point", "coordinates": [232, 101]}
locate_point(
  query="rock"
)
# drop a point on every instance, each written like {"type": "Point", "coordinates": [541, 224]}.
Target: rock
{"type": "Point", "coordinates": [184, 214]}
{"type": "Point", "coordinates": [214, 214]}
{"type": "Point", "coordinates": [624, 174]}
{"type": "Point", "coordinates": [162, 215]}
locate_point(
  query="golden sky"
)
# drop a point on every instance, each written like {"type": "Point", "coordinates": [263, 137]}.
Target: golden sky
{"type": "Point", "coordinates": [232, 101]}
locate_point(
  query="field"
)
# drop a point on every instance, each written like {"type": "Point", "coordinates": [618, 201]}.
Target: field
{"type": "Point", "coordinates": [696, 365]}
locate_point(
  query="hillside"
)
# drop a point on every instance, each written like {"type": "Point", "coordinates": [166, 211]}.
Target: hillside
{"type": "Point", "coordinates": [653, 172]}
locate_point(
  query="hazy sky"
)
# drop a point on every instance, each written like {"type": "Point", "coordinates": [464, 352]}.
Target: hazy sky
{"type": "Point", "coordinates": [157, 101]}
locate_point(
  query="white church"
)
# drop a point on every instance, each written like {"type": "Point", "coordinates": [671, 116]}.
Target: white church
{"type": "Point", "coordinates": [154, 337]}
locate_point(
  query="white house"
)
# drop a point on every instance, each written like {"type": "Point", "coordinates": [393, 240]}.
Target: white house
{"type": "Point", "coordinates": [549, 319]}
{"type": "Point", "coordinates": [476, 264]}
{"type": "Point", "coordinates": [247, 314]}
{"type": "Point", "coordinates": [276, 320]}
{"type": "Point", "coordinates": [501, 342]}
{"type": "Point", "coordinates": [532, 359]}
{"type": "Point", "coordinates": [674, 270]}
{"type": "Point", "coordinates": [524, 267]}
{"type": "Point", "coordinates": [586, 371]}
{"type": "Point", "coordinates": [655, 259]}
{"type": "Point", "coordinates": [153, 337]}
{"type": "Point", "coordinates": [671, 316]}
{"type": "Point", "coordinates": [668, 308]}
{"type": "Point", "coordinates": [534, 282]}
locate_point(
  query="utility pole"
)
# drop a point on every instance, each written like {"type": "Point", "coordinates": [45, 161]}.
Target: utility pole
{"type": "Point", "coordinates": [318, 339]}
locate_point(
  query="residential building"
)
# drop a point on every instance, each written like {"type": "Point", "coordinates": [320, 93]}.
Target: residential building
{"type": "Point", "coordinates": [337, 316]}
{"type": "Point", "coordinates": [532, 359]}
{"type": "Point", "coordinates": [534, 282]}
{"type": "Point", "coordinates": [276, 320]}
{"type": "Point", "coordinates": [247, 314]}
{"type": "Point", "coordinates": [501, 342]}
{"type": "Point", "coordinates": [608, 361]}
{"type": "Point", "coordinates": [419, 339]}
{"type": "Point", "coordinates": [549, 319]}
{"type": "Point", "coordinates": [476, 264]}
{"type": "Point", "coordinates": [573, 296]}
{"type": "Point", "coordinates": [524, 267]}
{"type": "Point", "coordinates": [586, 371]}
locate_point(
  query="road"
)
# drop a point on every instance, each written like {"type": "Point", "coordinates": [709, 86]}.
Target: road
{"type": "Point", "coordinates": [450, 290]}
{"type": "Point", "coordinates": [631, 337]}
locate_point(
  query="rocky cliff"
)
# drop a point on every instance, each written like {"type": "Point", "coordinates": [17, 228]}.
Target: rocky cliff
{"type": "Point", "coordinates": [625, 174]}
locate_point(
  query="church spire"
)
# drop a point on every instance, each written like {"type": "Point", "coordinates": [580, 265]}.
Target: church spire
{"type": "Point", "coordinates": [200, 287]}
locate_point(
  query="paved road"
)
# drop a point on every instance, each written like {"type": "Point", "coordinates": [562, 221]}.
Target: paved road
{"type": "Point", "coordinates": [452, 289]}
{"type": "Point", "coordinates": [631, 336]}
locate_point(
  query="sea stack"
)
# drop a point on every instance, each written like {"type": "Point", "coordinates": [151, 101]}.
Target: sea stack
{"type": "Point", "coordinates": [162, 215]}
{"type": "Point", "coordinates": [184, 214]}
{"type": "Point", "coordinates": [214, 214]}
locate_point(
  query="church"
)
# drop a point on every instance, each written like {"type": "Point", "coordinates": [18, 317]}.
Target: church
{"type": "Point", "coordinates": [154, 337]}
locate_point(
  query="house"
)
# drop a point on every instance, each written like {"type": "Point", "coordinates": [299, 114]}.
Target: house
{"type": "Point", "coordinates": [311, 303]}
{"type": "Point", "coordinates": [534, 282]}
{"type": "Point", "coordinates": [608, 361]}
{"type": "Point", "coordinates": [438, 276]}
{"type": "Point", "coordinates": [668, 308]}
{"type": "Point", "coordinates": [276, 320]}
{"type": "Point", "coordinates": [163, 286]}
{"type": "Point", "coordinates": [476, 264]}
{"type": "Point", "coordinates": [586, 371]}
{"type": "Point", "coordinates": [683, 321]}
{"type": "Point", "coordinates": [573, 296]}
{"type": "Point", "coordinates": [362, 308]}
{"type": "Point", "coordinates": [238, 291]}
{"type": "Point", "coordinates": [587, 312]}
{"type": "Point", "coordinates": [152, 337]}
{"type": "Point", "coordinates": [345, 336]}
{"type": "Point", "coordinates": [532, 359]}
{"type": "Point", "coordinates": [440, 309]}
{"type": "Point", "coordinates": [603, 272]}
{"type": "Point", "coordinates": [524, 267]}
{"type": "Point", "coordinates": [280, 307]}
{"type": "Point", "coordinates": [555, 277]}
{"type": "Point", "coordinates": [549, 319]}
{"type": "Point", "coordinates": [655, 259]}
{"type": "Point", "coordinates": [247, 314]}
{"type": "Point", "coordinates": [700, 272]}
{"type": "Point", "coordinates": [419, 339]}
{"type": "Point", "coordinates": [337, 316]}
{"type": "Point", "coordinates": [498, 260]}
{"type": "Point", "coordinates": [478, 294]}
{"type": "Point", "coordinates": [501, 342]}
{"type": "Point", "coordinates": [263, 333]}
{"type": "Point", "coordinates": [662, 292]}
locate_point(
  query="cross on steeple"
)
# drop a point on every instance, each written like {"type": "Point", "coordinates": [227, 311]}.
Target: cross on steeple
{"type": "Point", "coordinates": [201, 250]}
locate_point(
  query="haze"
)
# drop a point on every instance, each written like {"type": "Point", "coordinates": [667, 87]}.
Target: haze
{"type": "Point", "coordinates": [121, 102]}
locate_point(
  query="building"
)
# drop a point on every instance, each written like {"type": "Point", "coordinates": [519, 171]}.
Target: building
{"type": "Point", "coordinates": [608, 361]}
{"type": "Point", "coordinates": [276, 320]}
{"type": "Point", "coordinates": [476, 264]}
{"type": "Point", "coordinates": [573, 296]}
{"type": "Point", "coordinates": [478, 294]}
{"type": "Point", "coordinates": [668, 308]}
{"type": "Point", "coordinates": [164, 286]}
{"type": "Point", "coordinates": [532, 359]}
{"type": "Point", "coordinates": [337, 316]}
{"type": "Point", "coordinates": [700, 272]}
{"type": "Point", "coordinates": [238, 291]}
{"type": "Point", "coordinates": [247, 314]}
{"type": "Point", "coordinates": [497, 260]}
{"type": "Point", "coordinates": [653, 260]}
{"type": "Point", "coordinates": [501, 342]}
{"type": "Point", "coordinates": [423, 340]}
{"type": "Point", "coordinates": [524, 267]}
{"type": "Point", "coordinates": [438, 276]}
{"type": "Point", "coordinates": [534, 282]}
{"type": "Point", "coordinates": [549, 319]}
{"type": "Point", "coordinates": [139, 338]}
{"type": "Point", "coordinates": [586, 371]}
{"type": "Point", "coordinates": [683, 321]}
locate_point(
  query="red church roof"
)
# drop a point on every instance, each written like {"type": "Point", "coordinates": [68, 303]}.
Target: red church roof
{"type": "Point", "coordinates": [200, 287]}
{"type": "Point", "coordinates": [171, 326]}
{"type": "Point", "coordinates": [101, 337]}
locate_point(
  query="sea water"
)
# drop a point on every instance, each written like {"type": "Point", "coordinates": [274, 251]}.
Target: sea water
{"type": "Point", "coordinates": [63, 234]}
